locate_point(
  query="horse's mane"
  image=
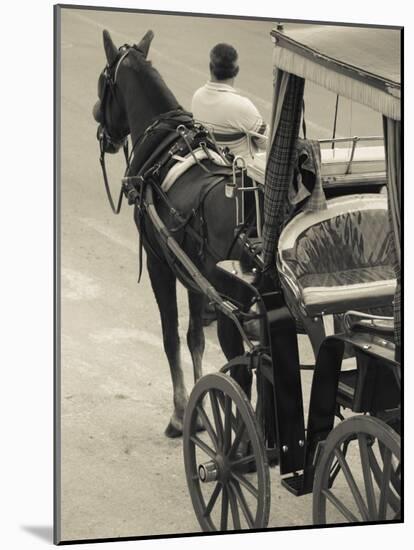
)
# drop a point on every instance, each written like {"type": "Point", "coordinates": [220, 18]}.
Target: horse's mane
{"type": "Point", "coordinates": [154, 84]}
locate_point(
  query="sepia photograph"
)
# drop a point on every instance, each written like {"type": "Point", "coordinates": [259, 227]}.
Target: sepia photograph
{"type": "Point", "coordinates": [228, 259]}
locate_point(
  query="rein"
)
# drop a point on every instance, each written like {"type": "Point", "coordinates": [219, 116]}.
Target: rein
{"type": "Point", "coordinates": [115, 209]}
{"type": "Point", "coordinates": [107, 141]}
{"type": "Point", "coordinates": [103, 136]}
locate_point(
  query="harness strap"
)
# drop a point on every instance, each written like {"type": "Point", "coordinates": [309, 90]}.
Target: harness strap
{"type": "Point", "coordinates": [183, 223]}
{"type": "Point", "coordinates": [129, 189]}
{"type": "Point", "coordinates": [140, 229]}
{"type": "Point", "coordinates": [134, 187]}
{"type": "Point", "coordinates": [198, 280]}
{"type": "Point", "coordinates": [152, 159]}
{"type": "Point", "coordinates": [115, 209]}
{"type": "Point", "coordinates": [187, 162]}
{"type": "Point", "coordinates": [229, 137]}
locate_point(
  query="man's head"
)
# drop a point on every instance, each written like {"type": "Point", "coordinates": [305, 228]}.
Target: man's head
{"type": "Point", "coordinates": [223, 62]}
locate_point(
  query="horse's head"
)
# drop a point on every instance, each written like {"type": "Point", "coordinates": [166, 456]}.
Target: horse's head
{"type": "Point", "coordinates": [110, 109]}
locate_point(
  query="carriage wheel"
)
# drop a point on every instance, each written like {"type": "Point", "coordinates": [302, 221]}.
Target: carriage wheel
{"type": "Point", "coordinates": [392, 419]}
{"type": "Point", "coordinates": [367, 493]}
{"type": "Point", "coordinates": [226, 465]}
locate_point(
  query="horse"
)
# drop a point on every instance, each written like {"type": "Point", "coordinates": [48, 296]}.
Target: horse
{"type": "Point", "coordinates": [133, 97]}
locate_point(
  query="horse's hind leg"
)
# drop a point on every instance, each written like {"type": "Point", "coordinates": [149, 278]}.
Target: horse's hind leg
{"type": "Point", "coordinates": [163, 282]}
{"type": "Point", "coordinates": [195, 333]}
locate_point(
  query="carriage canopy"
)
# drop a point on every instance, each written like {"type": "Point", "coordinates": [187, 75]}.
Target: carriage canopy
{"type": "Point", "coordinates": [361, 64]}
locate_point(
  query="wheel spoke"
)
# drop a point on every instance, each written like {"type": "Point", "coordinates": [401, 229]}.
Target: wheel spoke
{"type": "Point", "coordinates": [393, 498]}
{"type": "Point", "coordinates": [398, 470]}
{"type": "Point", "coordinates": [222, 402]}
{"type": "Point", "coordinates": [207, 424]}
{"type": "Point", "coordinates": [227, 424]}
{"type": "Point", "coordinates": [396, 479]}
{"type": "Point", "coordinates": [339, 506]}
{"type": "Point", "coordinates": [225, 496]}
{"type": "Point", "coordinates": [243, 505]}
{"type": "Point", "coordinates": [233, 506]}
{"type": "Point", "coordinates": [213, 499]}
{"type": "Point", "coordinates": [352, 484]}
{"type": "Point", "coordinates": [385, 484]}
{"type": "Point", "coordinates": [217, 417]}
{"type": "Point", "coordinates": [224, 509]}
{"type": "Point", "coordinates": [246, 484]}
{"type": "Point", "coordinates": [203, 446]}
{"type": "Point", "coordinates": [334, 471]}
{"type": "Point", "coordinates": [366, 469]}
{"type": "Point", "coordinates": [243, 460]}
{"type": "Point", "coordinates": [237, 439]}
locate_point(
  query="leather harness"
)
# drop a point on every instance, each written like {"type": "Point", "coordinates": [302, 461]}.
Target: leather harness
{"type": "Point", "coordinates": [173, 134]}
{"type": "Point", "coordinates": [178, 141]}
{"type": "Point", "coordinates": [170, 134]}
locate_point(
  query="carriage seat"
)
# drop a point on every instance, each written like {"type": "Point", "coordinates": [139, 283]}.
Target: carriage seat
{"type": "Point", "coordinates": [335, 163]}
{"type": "Point", "coordinates": [339, 258]}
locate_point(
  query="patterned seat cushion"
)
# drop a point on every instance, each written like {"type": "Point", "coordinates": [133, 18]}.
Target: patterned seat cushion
{"type": "Point", "coordinates": [345, 260]}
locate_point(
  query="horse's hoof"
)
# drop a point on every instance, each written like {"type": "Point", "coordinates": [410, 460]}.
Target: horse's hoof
{"type": "Point", "coordinates": [172, 431]}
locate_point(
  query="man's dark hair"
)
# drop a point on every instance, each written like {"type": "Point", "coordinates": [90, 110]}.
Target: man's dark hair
{"type": "Point", "coordinates": [223, 61]}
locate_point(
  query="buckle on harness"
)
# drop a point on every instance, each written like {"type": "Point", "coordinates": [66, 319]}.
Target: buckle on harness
{"type": "Point", "coordinates": [182, 130]}
{"type": "Point", "coordinates": [131, 187]}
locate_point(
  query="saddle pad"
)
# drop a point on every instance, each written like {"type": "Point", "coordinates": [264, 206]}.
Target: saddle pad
{"type": "Point", "coordinates": [184, 163]}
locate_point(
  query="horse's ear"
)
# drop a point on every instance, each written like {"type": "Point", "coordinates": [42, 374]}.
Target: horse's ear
{"type": "Point", "coordinates": [145, 43]}
{"type": "Point", "coordinates": [111, 51]}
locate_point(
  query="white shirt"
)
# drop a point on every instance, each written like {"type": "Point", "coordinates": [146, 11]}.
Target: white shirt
{"type": "Point", "coordinates": [229, 115]}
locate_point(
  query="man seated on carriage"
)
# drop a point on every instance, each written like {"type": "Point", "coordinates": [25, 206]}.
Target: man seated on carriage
{"type": "Point", "coordinates": [221, 108]}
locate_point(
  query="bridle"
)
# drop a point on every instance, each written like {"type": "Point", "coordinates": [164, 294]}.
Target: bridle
{"type": "Point", "coordinates": [111, 143]}
{"type": "Point", "coordinates": [108, 142]}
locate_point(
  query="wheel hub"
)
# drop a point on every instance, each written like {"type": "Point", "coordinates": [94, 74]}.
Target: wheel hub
{"type": "Point", "coordinates": [208, 471]}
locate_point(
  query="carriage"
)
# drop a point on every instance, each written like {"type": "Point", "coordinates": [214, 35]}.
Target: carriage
{"type": "Point", "coordinates": [339, 260]}
{"type": "Point", "coordinates": [326, 265]}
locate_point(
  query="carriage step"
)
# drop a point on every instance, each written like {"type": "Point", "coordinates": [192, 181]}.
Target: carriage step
{"type": "Point", "coordinates": [295, 485]}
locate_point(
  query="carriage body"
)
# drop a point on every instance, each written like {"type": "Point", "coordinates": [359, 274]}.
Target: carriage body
{"type": "Point", "coordinates": [329, 262]}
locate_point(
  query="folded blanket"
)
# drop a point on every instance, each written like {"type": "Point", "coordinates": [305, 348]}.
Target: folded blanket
{"type": "Point", "coordinates": [308, 164]}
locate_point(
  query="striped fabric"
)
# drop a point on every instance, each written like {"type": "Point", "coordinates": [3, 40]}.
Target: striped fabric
{"type": "Point", "coordinates": [280, 165]}
{"type": "Point", "coordinates": [392, 135]}
{"type": "Point", "coordinates": [308, 157]}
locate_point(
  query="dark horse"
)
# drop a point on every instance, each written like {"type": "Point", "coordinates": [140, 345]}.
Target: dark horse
{"type": "Point", "coordinates": [135, 97]}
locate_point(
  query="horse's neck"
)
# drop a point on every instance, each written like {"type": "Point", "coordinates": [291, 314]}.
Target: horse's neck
{"type": "Point", "coordinates": [139, 118]}
{"type": "Point", "coordinates": [143, 107]}
{"type": "Point", "coordinates": [141, 113]}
